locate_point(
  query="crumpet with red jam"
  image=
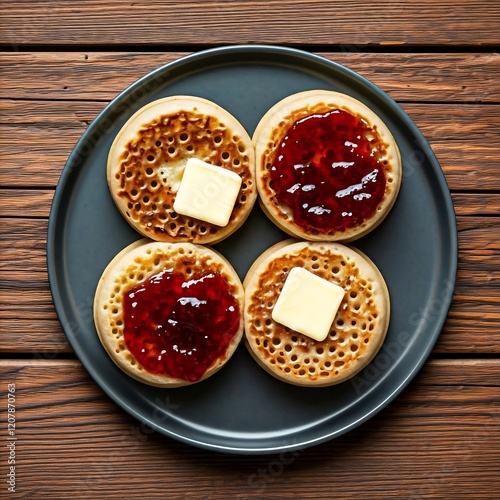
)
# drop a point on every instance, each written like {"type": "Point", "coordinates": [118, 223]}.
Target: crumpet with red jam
{"type": "Point", "coordinates": [327, 167]}
{"type": "Point", "coordinates": [169, 314]}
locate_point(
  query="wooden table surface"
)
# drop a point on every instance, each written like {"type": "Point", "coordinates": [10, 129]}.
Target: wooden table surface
{"type": "Point", "coordinates": [62, 62]}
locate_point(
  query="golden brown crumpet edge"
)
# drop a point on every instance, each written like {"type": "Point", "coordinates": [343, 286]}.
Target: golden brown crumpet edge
{"type": "Point", "coordinates": [147, 159]}
{"type": "Point", "coordinates": [273, 126]}
{"type": "Point", "coordinates": [358, 330]}
{"type": "Point", "coordinates": [136, 264]}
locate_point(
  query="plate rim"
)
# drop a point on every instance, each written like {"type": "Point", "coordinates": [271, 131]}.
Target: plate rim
{"type": "Point", "coordinates": [254, 51]}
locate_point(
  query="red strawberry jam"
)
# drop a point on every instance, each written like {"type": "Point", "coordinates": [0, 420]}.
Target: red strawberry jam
{"type": "Point", "coordinates": [179, 327]}
{"type": "Point", "coordinates": [328, 173]}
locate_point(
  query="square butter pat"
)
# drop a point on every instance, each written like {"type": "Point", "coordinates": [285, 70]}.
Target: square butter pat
{"type": "Point", "coordinates": [207, 192]}
{"type": "Point", "coordinates": [308, 304]}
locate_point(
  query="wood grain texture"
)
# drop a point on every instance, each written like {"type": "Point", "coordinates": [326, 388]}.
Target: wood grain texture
{"type": "Point", "coordinates": [75, 442]}
{"type": "Point", "coordinates": [349, 25]}
{"type": "Point", "coordinates": [25, 202]}
{"type": "Point", "coordinates": [472, 326]}
{"type": "Point", "coordinates": [47, 131]}
{"type": "Point", "coordinates": [64, 61]}
{"type": "Point", "coordinates": [471, 204]}
{"type": "Point", "coordinates": [458, 77]}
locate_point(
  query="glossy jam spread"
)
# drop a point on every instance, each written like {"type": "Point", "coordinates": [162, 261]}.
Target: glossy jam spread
{"type": "Point", "coordinates": [177, 326]}
{"type": "Point", "coordinates": [327, 172]}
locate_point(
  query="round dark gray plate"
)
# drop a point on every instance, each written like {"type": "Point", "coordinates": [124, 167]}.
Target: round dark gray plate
{"type": "Point", "coordinates": [242, 409]}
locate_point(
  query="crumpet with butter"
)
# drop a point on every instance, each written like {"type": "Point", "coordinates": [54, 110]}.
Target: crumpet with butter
{"type": "Point", "coordinates": [147, 162]}
{"type": "Point", "coordinates": [316, 313]}
{"type": "Point", "coordinates": [328, 168]}
{"type": "Point", "coordinates": [169, 314]}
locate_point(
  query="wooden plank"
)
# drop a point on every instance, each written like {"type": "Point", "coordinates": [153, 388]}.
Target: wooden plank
{"type": "Point", "coordinates": [40, 338]}
{"type": "Point", "coordinates": [31, 130]}
{"type": "Point", "coordinates": [461, 372]}
{"type": "Point", "coordinates": [471, 327]}
{"type": "Point", "coordinates": [442, 439]}
{"type": "Point", "coordinates": [23, 245]}
{"type": "Point", "coordinates": [348, 25]}
{"type": "Point", "coordinates": [460, 77]}
{"type": "Point", "coordinates": [25, 202]}
{"type": "Point", "coordinates": [472, 204]}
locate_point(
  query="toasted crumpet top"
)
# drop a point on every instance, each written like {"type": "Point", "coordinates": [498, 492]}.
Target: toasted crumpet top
{"type": "Point", "coordinates": [273, 129]}
{"type": "Point", "coordinates": [359, 327]}
{"type": "Point", "coordinates": [147, 160]}
{"type": "Point", "coordinates": [135, 265]}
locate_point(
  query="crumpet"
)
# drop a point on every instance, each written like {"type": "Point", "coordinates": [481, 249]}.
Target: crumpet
{"type": "Point", "coordinates": [147, 159]}
{"type": "Point", "coordinates": [358, 329]}
{"type": "Point", "coordinates": [169, 314]}
{"type": "Point", "coordinates": [327, 167]}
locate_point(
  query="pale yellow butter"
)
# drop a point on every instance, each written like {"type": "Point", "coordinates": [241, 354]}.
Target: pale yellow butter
{"type": "Point", "coordinates": [308, 304]}
{"type": "Point", "coordinates": [207, 192]}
